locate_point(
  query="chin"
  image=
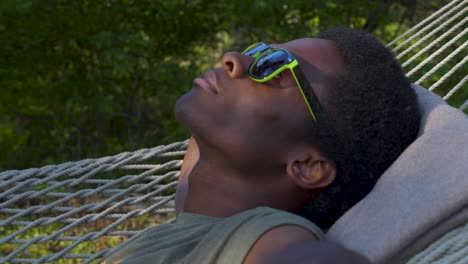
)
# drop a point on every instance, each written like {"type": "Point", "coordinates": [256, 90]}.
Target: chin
{"type": "Point", "coordinates": [190, 110]}
{"type": "Point", "coordinates": [182, 108]}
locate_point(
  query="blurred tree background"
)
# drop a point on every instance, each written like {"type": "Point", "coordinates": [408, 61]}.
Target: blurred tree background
{"type": "Point", "coordinates": [89, 78]}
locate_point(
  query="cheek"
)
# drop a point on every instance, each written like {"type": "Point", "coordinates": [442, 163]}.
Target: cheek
{"type": "Point", "coordinates": [264, 134]}
{"type": "Point", "coordinates": [260, 108]}
{"type": "Point", "coordinates": [269, 117]}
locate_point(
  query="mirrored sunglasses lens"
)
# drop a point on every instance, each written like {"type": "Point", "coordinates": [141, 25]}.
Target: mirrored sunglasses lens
{"type": "Point", "coordinates": [258, 48]}
{"type": "Point", "coordinates": [268, 64]}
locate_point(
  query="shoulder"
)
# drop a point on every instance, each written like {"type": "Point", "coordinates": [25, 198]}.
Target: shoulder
{"type": "Point", "coordinates": [295, 244]}
{"type": "Point", "coordinates": [278, 221]}
{"type": "Point", "coordinates": [274, 240]}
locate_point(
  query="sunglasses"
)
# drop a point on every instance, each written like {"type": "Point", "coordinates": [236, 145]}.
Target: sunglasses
{"type": "Point", "coordinates": [269, 62]}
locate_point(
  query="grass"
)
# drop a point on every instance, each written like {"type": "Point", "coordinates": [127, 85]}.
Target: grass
{"type": "Point", "coordinates": [37, 251]}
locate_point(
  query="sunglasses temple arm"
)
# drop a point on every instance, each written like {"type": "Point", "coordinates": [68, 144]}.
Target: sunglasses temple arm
{"type": "Point", "coordinates": [306, 91]}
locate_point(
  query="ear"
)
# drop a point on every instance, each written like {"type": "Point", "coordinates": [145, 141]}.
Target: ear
{"type": "Point", "coordinates": [309, 169]}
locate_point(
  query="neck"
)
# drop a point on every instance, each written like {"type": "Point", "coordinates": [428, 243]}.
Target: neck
{"type": "Point", "coordinates": [218, 191]}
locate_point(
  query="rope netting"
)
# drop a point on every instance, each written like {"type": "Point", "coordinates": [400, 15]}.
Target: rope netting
{"type": "Point", "coordinates": [434, 53]}
{"type": "Point", "coordinates": [81, 211]}
{"type": "Point", "coordinates": [451, 249]}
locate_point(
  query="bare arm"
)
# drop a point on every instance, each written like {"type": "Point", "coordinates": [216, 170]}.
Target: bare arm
{"type": "Point", "coordinates": [190, 159]}
{"type": "Point", "coordinates": [294, 244]}
{"type": "Point", "coordinates": [319, 252]}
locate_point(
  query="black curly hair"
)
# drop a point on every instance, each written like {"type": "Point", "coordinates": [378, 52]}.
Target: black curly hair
{"type": "Point", "coordinates": [371, 118]}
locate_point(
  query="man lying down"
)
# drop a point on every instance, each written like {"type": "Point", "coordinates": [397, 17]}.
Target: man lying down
{"type": "Point", "coordinates": [285, 139]}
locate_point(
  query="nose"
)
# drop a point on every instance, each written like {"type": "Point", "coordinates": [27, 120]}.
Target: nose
{"type": "Point", "coordinates": [235, 64]}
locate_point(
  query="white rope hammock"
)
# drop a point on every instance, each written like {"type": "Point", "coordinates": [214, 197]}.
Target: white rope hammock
{"type": "Point", "coordinates": [75, 196]}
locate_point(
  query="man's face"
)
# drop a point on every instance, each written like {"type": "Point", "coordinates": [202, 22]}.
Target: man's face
{"type": "Point", "coordinates": [248, 123]}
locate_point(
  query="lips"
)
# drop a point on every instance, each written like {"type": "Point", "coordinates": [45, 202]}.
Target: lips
{"type": "Point", "coordinates": [206, 82]}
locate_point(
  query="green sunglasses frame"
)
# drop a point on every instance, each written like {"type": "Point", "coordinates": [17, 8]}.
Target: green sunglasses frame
{"type": "Point", "coordinates": [293, 65]}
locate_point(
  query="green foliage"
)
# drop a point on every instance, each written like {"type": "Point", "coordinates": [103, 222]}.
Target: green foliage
{"type": "Point", "coordinates": [92, 78]}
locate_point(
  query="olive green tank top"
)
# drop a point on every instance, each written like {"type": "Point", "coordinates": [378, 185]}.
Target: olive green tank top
{"type": "Point", "coordinates": [202, 239]}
